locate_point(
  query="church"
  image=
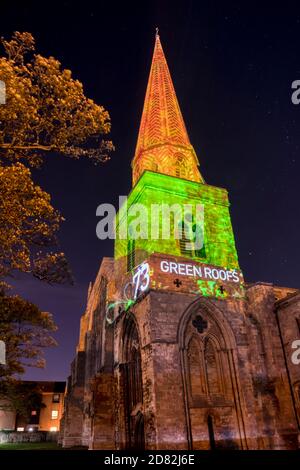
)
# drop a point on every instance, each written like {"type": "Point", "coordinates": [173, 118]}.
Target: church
{"type": "Point", "coordinates": [176, 350]}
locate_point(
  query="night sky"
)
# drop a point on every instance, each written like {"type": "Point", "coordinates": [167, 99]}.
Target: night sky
{"type": "Point", "coordinates": [232, 68]}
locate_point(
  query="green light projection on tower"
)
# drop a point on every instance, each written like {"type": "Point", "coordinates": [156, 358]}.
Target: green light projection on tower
{"type": "Point", "coordinates": [155, 188]}
{"type": "Point", "coordinates": [166, 173]}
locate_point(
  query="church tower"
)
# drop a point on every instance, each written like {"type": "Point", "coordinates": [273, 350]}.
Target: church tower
{"type": "Point", "coordinates": [171, 210]}
{"type": "Point", "coordinates": [175, 350]}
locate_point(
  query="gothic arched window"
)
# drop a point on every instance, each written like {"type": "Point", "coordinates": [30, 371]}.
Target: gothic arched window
{"type": "Point", "coordinates": [139, 435]}
{"type": "Point", "coordinates": [191, 241]}
{"type": "Point", "coordinates": [180, 171]}
{"type": "Point", "coordinates": [297, 393]}
{"type": "Point", "coordinates": [195, 369]}
{"type": "Point", "coordinates": [208, 377]}
{"type": "Point", "coordinates": [154, 167]}
{"type": "Point", "coordinates": [133, 385]}
{"type": "Point", "coordinates": [135, 376]}
{"type": "Point", "coordinates": [212, 368]}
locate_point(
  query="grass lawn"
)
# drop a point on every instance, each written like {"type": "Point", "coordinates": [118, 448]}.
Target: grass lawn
{"type": "Point", "coordinates": [31, 446]}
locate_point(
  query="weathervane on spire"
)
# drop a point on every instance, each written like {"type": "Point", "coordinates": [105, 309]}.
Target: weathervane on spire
{"type": "Point", "coordinates": [156, 32]}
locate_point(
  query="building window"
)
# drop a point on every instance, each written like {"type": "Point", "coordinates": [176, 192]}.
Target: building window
{"type": "Point", "coordinates": [154, 167]}
{"type": "Point", "coordinates": [33, 413]}
{"type": "Point", "coordinates": [212, 368]}
{"type": "Point", "coordinates": [53, 429]}
{"type": "Point", "coordinates": [130, 255]}
{"type": "Point", "coordinates": [55, 398]}
{"type": "Point", "coordinates": [190, 233]}
{"type": "Point", "coordinates": [54, 414]}
{"type": "Point", "coordinates": [180, 170]}
{"type": "Point", "coordinates": [133, 385]}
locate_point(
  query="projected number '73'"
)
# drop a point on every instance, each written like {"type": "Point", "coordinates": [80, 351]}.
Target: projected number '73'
{"type": "Point", "coordinates": [141, 280]}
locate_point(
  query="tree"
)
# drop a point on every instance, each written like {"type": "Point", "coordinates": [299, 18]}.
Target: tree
{"type": "Point", "coordinates": [45, 111]}
{"type": "Point", "coordinates": [26, 331]}
{"type": "Point", "coordinates": [28, 227]}
{"type": "Point", "coordinates": [23, 397]}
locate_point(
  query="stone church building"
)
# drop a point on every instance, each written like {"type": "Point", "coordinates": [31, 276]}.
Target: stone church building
{"type": "Point", "coordinates": [176, 350]}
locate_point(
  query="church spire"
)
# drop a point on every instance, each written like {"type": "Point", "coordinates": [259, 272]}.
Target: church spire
{"type": "Point", "coordinates": [163, 143]}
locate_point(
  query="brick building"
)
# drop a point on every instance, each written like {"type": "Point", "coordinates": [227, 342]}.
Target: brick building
{"type": "Point", "coordinates": [176, 351]}
{"type": "Point", "coordinates": [46, 418]}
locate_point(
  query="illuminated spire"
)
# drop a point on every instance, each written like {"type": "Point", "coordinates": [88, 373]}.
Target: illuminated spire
{"type": "Point", "coordinates": [163, 143]}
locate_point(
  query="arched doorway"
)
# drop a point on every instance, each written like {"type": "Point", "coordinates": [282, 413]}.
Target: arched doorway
{"type": "Point", "coordinates": [139, 438]}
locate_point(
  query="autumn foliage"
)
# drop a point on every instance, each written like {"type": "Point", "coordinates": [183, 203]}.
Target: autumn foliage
{"type": "Point", "coordinates": [46, 112]}
{"type": "Point", "coordinates": [46, 109]}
